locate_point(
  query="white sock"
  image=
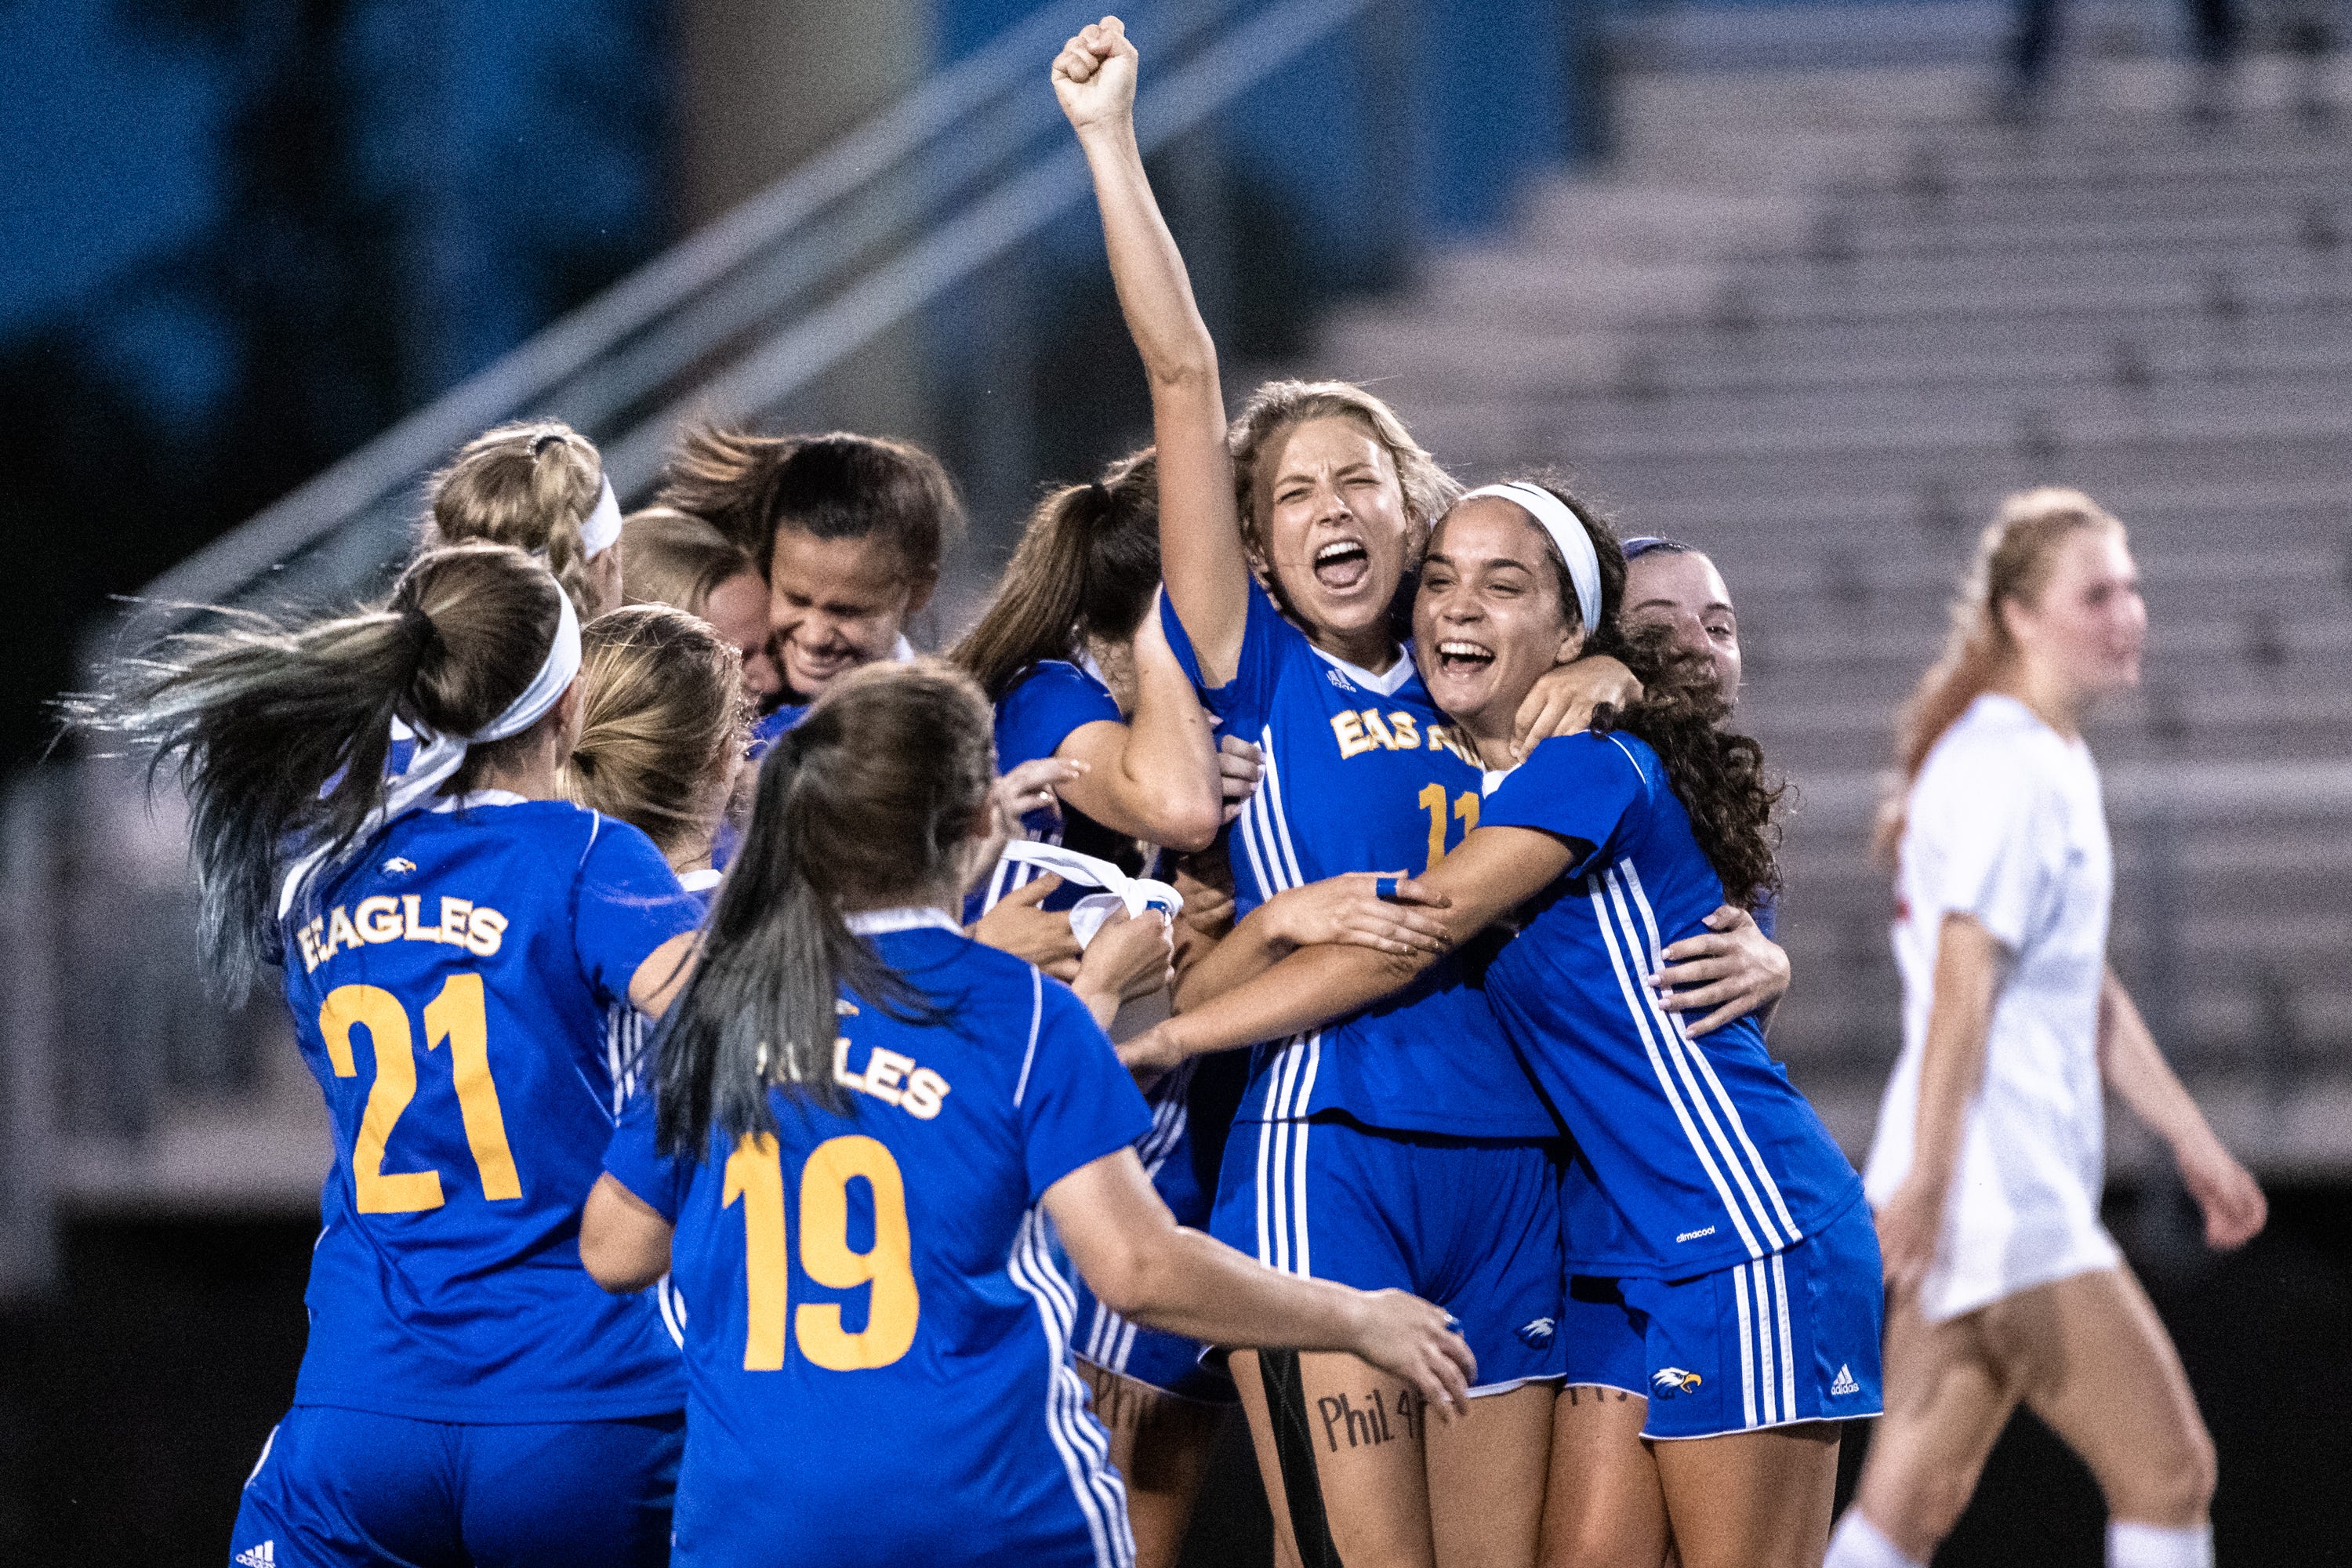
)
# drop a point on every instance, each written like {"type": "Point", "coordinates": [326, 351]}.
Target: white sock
{"type": "Point", "coordinates": [2131, 1545]}
{"type": "Point", "coordinates": [1858, 1543]}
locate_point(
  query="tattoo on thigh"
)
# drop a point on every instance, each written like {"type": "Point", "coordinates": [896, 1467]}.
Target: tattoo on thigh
{"type": "Point", "coordinates": [1371, 1424]}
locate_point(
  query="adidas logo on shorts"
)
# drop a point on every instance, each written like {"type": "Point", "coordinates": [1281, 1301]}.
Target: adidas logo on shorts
{"type": "Point", "coordinates": [1844, 1383]}
{"type": "Point", "coordinates": [262, 1556]}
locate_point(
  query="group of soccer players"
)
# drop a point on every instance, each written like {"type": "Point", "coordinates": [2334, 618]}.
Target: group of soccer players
{"type": "Point", "coordinates": [715, 1005]}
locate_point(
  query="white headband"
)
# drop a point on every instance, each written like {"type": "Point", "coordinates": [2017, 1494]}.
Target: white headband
{"type": "Point", "coordinates": [1575, 545]}
{"type": "Point", "coordinates": [439, 756]}
{"type": "Point", "coordinates": [1135, 893]}
{"type": "Point", "coordinates": [602, 528]}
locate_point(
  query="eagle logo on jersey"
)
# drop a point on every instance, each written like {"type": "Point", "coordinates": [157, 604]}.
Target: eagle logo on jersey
{"type": "Point", "coordinates": [399, 866]}
{"type": "Point", "coordinates": [1670, 1381]}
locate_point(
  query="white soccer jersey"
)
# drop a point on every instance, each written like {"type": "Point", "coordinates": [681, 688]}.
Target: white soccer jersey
{"type": "Point", "coordinates": [2005, 823]}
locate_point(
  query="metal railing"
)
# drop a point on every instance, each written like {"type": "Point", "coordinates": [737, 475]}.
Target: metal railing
{"type": "Point", "coordinates": [109, 1053]}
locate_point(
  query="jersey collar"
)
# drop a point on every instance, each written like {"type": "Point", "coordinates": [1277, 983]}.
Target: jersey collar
{"type": "Point", "coordinates": [873, 922]}
{"type": "Point", "coordinates": [695, 881]}
{"type": "Point", "coordinates": [1387, 685]}
{"type": "Point", "coordinates": [474, 797]}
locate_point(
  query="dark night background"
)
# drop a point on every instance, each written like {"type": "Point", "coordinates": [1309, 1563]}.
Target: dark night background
{"type": "Point", "coordinates": [240, 238]}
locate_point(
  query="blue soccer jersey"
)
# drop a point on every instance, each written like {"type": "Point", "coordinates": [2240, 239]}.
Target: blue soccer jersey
{"type": "Point", "coordinates": [1361, 774]}
{"type": "Point", "coordinates": [871, 1301]}
{"type": "Point", "coordinates": [449, 990]}
{"type": "Point", "coordinates": [1703, 1153]}
{"type": "Point", "coordinates": [1052, 701]}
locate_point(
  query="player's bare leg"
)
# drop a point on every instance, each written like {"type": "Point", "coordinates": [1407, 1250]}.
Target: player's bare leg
{"type": "Point", "coordinates": [1356, 1434]}
{"type": "Point", "coordinates": [1948, 1398]}
{"type": "Point", "coordinates": [1486, 1478]}
{"type": "Point", "coordinates": [2105, 1375]}
{"type": "Point", "coordinates": [1161, 1442]}
{"type": "Point", "coordinates": [1751, 1500]}
{"type": "Point", "coordinates": [1603, 1506]}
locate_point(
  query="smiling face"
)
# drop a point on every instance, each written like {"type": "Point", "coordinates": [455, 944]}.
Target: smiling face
{"type": "Point", "coordinates": [834, 604]}
{"type": "Point", "coordinates": [1334, 532]}
{"type": "Point", "coordinates": [2086, 631]}
{"type": "Point", "coordinates": [1488, 620]}
{"type": "Point", "coordinates": [1681, 592]}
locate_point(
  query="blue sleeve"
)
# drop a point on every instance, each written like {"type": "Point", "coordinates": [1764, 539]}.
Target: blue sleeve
{"type": "Point", "coordinates": [1075, 1101]}
{"type": "Point", "coordinates": [771, 729]}
{"type": "Point", "coordinates": [627, 904]}
{"type": "Point", "coordinates": [631, 1160]}
{"type": "Point", "coordinates": [1579, 786]}
{"type": "Point", "coordinates": [1251, 688]}
{"type": "Point", "coordinates": [1045, 708]}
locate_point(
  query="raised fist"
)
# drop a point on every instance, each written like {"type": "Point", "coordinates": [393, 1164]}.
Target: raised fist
{"type": "Point", "coordinates": [1094, 76]}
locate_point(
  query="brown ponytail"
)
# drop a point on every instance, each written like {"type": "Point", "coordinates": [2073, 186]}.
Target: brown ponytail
{"type": "Point", "coordinates": [531, 486]}
{"type": "Point", "coordinates": [279, 734]}
{"type": "Point", "coordinates": [1087, 566]}
{"type": "Point", "coordinates": [872, 799]}
{"type": "Point", "coordinates": [661, 719]}
{"type": "Point", "coordinates": [2013, 561]}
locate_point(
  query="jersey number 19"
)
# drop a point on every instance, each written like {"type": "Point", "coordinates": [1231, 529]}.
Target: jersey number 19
{"type": "Point", "coordinates": [755, 1178]}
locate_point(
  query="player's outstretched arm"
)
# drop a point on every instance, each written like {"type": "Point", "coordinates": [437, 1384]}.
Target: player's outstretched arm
{"type": "Point", "coordinates": [1343, 909]}
{"type": "Point", "coordinates": [1156, 777]}
{"type": "Point", "coordinates": [1145, 1266]}
{"type": "Point", "coordinates": [1494, 871]}
{"type": "Point", "coordinates": [623, 1243]}
{"type": "Point", "coordinates": [1200, 520]}
{"type": "Point", "coordinates": [2134, 1066]}
{"type": "Point", "coordinates": [1971, 964]}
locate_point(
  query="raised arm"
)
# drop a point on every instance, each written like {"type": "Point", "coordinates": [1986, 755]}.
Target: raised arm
{"type": "Point", "coordinates": [2133, 1066]}
{"type": "Point", "coordinates": [1970, 965]}
{"type": "Point", "coordinates": [1494, 871]}
{"type": "Point", "coordinates": [1200, 522]}
{"type": "Point", "coordinates": [1154, 777]}
{"type": "Point", "coordinates": [1145, 1266]}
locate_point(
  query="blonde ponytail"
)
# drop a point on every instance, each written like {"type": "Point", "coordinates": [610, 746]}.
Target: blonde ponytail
{"type": "Point", "coordinates": [661, 718]}
{"type": "Point", "coordinates": [2013, 562]}
{"type": "Point", "coordinates": [531, 486]}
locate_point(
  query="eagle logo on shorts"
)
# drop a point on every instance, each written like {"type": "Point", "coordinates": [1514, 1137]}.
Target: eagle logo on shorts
{"type": "Point", "coordinates": [1537, 1333]}
{"type": "Point", "coordinates": [1670, 1381]}
{"type": "Point", "coordinates": [399, 866]}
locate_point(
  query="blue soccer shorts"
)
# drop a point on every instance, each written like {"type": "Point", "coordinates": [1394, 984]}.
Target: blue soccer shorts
{"type": "Point", "coordinates": [1471, 1224]}
{"type": "Point", "coordinates": [1779, 1340]}
{"type": "Point", "coordinates": [350, 1488]}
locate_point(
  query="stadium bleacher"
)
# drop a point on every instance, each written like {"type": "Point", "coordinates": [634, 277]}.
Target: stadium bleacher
{"type": "Point", "coordinates": [1818, 321]}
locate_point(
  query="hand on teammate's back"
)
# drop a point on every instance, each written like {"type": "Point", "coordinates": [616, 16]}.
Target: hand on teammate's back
{"type": "Point", "coordinates": [1587, 694]}
{"type": "Point", "coordinates": [1733, 972]}
{"type": "Point", "coordinates": [2234, 1207]}
{"type": "Point", "coordinates": [1016, 925]}
{"type": "Point", "coordinates": [1030, 788]}
{"type": "Point", "coordinates": [1240, 767]}
{"type": "Point", "coordinates": [1094, 76]}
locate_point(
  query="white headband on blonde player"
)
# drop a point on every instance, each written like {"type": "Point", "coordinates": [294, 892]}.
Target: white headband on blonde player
{"type": "Point", "coordinates": [439, 756]}
{"type": "Point", "coordinates": [601, 530]}
{"type": "Point", "coordinates": [1568, 535]}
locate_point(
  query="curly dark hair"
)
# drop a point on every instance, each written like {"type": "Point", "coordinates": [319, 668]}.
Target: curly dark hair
{"type": "Point", "coordinates": [1721, 777]}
